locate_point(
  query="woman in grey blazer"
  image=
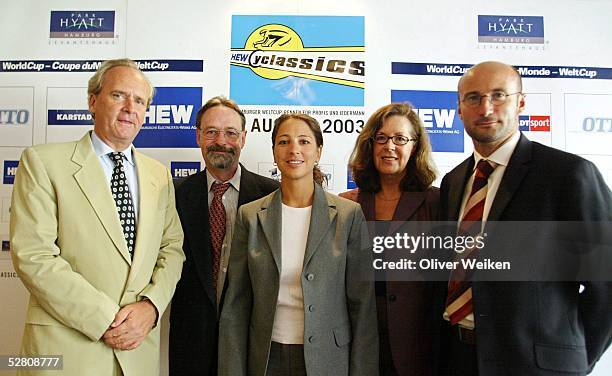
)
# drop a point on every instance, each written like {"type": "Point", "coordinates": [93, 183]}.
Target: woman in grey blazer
{"type": "Point", "coordinates": [300, 296]}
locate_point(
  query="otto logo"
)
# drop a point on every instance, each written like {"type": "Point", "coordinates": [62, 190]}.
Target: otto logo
{"type": "Point", "coordinates": [597, 124]}
{"type": "Point", "coordinates": [276, 51]}
{"type": "Point", "coordinates": [184, 169]}
{"type": "Point", "coordinates": [14, 117]}
{"type": "Point", "coordinates": [82, 24]}
{"type": "Point", "coordinates": [510, 29]}
{"type": "Point", "coordinates": [10, 170]}
{"type": "Point", "coordinates": [534, 123]}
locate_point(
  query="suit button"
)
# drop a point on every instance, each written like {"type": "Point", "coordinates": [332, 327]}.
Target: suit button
{"type": "Point", "coordinates": [311, 339]}
{"type": "Point", "coordinates": [311, 308]}
{"type": "Point", "coordinates": [310, 276]}
{"type": "Point", "coordinates": [392, 298]}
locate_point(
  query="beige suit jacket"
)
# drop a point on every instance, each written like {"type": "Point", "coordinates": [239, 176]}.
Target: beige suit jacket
{"type": "Point", "coordinates": [69, 251]}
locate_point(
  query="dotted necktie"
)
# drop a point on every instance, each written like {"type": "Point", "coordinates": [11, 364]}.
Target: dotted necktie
{"type": "Point", "coordinates": [123, 200]}
{"type": "Point", "coordinates": [459, 298]}
{"type": "Point", "coordinates": [216, 219]}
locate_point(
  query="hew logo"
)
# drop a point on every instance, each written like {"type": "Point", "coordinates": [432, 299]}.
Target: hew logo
{"type": "Point", "coordinates": [511, 29]}
{"type": "Point", "coordinates": [534, 123]}
{"type": "Point", "coordinates": [350, 183]}
{"type": "Point", "coordinates": [437, 110]}
{"type": "Point", "coordinates": [82, 24]}
{"type": "Point", "coordinates": [170, 120]}
{"type": "Point", "coordinates": [184, 169]}
{"type": "Point", "coordinates": [10, 170]}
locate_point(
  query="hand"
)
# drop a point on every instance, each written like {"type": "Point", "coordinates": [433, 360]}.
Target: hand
{"type": "Point", "coordinates": [131, 325]}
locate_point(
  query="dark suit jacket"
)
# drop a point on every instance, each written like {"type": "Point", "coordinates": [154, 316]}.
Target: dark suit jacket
{"type": "Point", "coordinates": [410, 314]}
{"type": "Point", "coordinates": [539, 328]}
{"type": "Point", "coordinates": [193, 316]}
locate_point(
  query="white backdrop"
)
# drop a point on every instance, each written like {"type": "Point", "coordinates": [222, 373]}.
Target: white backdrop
{"type": "Point", "coordinates": [408, 35]}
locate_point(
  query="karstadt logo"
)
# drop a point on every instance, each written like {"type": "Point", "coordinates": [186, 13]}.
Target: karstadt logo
{"type": "Point", "coordinates": [9, 172]}
{"type": "Point", "coordinates": [276, 51]}
{"type": "Point", "coordinates": [82, 24]}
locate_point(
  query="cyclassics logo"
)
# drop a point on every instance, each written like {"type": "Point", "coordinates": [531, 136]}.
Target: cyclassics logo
{"type": "Point", "coordinates": [511, 29]}
{"type": "Point", "coordinates": [303, 60]}
{"type": "Point", "coordinates": [438, 112]}
{"type": "Point", "coordinates": [82, 24]}
{"type": "Point", "coordinates": [184, 169]}
{"type": "Point", "coordinates": [9, 172]}
{"type": "Point", "coordinates": [276, 51]}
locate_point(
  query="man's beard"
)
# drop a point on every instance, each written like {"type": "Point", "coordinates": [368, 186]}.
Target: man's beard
{"type": "Point", "coordinates": [221, 161]}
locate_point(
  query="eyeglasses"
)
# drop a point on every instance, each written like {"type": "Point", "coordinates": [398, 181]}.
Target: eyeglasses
{"type": "Point", "coordinates": [497, 98]}
{"type": "Point", "coordinates": [398, 139]}
{"type": "Point", "coordinates": [230, 134]}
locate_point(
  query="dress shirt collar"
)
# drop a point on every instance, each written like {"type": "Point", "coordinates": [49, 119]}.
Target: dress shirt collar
{"type": "Point", "coordinates": [102, 149]}
{"type": "Point", "coordinates": [234, 181]}
{"type": "Point", "coordinates": [502, 155]}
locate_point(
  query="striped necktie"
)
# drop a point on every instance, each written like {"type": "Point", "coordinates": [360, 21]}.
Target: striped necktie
{"type": "Point", "coordinates": [459, 298]}
{"type": "Point", "coordinates": [216, 220]}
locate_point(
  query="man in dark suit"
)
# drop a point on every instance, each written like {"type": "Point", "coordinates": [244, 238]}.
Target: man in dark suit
{"type": "Point", "coordinates": [520, 328]}
{"type": "Point", "coordinates": [196, 304]}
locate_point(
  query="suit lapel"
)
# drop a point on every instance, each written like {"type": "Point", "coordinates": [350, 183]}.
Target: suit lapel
{"type": "Point", "coordinates": [321, 218]}
{"type": "Point", "coordinates": [91, 180]}
{"type": "Point", "coordinates": [456, 183]}
{"type": "Point", "coordinates": [518, 166]}
{"type": "Point", "coordinates": [194, 208]}
{"type": "Point", "coordinates": [148, 215]}
{"type": "Point", "coordinates": [271, 222]}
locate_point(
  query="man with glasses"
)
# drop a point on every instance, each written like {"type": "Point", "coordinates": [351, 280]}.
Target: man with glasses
{"type": "Point", "coordinates": [519, 328]}
{"type": "Point", "coordinates": [207, 203]}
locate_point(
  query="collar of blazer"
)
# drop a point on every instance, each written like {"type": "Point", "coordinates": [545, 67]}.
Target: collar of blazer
{"type": "Point", "coordinates": [91, 180]}
{"type": "Point", "coordinates": [321, 218]}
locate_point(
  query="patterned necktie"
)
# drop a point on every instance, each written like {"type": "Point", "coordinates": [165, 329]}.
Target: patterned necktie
{"type": "Point", "coordinates": [459, 298]}
{"type": "Point", "coordinates": [123, 200]}
{"type": "Point", "coordinates": [216, 219]}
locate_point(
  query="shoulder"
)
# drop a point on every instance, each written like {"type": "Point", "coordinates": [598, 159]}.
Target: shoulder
{"type": "Point", "coordinates": [342, 204]}
{"type": "Point", "coordinates": [184, 184]}
{"type": "Point", "coordinates": [251, 208]}
{"type": "Point", "coordinates": [352, 195]}
{"type": "Point", "coordinates": [432, 195]}
{"type": "Point", "coordinates": [264, 183]}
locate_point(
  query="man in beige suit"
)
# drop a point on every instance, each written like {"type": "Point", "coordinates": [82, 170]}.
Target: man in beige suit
{"type": "Point", "coordinates": [95, 297]}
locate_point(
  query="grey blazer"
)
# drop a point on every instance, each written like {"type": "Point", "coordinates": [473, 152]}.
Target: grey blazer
{"type": "Point", "coordinates": [340, 332]}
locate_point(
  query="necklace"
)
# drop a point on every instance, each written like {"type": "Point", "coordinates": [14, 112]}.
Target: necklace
{"type": "Point", "coordinates": [379, 196]}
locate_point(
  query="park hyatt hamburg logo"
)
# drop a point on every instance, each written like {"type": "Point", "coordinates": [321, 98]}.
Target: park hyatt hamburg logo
{"type": "Point", "coordinates": [511, 29]}
{"type": "Point", "coordinates": [82, 24]}
{"type": "Point", "coordinates": [276, 51]}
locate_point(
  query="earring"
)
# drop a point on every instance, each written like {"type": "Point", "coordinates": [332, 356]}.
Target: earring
{"type": "Point", "coordinates": [316, 163]}
{"type": "Point", "coordinates": [274, 163]}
